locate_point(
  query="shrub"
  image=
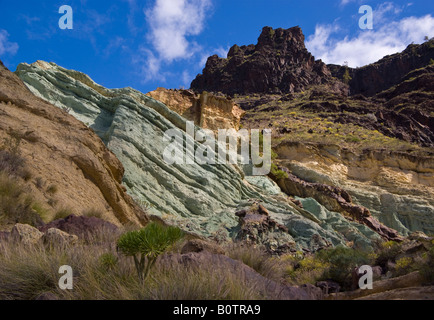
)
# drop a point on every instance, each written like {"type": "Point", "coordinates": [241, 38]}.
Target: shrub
{"type": "Point", "coordinates": [99, 274]}
{"type": "Point", "coordinates": [52, 189]}
{"type": "Point", "coordinates": [108, 261]}
{"type": "Point", "coordinates": [257, 259]}
{"type": "Point", "coordinates": [403, 265]}
{"type": "Point", "coordinates": [387, 251]}
{"type": "Point", "coordinates": [147, 244]}
{"type": "Point", "coordinates": [277, 173]}
{"type": "Point", "coordinates": [342, 262]}
{"type": "Point", "coordinates": [309, 269]}
{"type": "Point", "coordinates": [15, 204]}
{"type": "Point", "coordinates": [346, 77]}
{"type": "Point", "coordinates": [427, 267]}
{"type": "Point", "coordinates": [93, 213]}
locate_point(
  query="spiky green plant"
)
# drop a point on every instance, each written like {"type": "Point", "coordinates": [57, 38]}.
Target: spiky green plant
{"type": "Point", "coordinates": [147, 244]}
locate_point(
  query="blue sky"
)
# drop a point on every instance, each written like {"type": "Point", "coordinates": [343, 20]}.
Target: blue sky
{"type": "Point", "coordinates": [165, 43]}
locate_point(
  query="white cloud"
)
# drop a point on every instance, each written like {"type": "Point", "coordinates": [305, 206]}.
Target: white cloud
{"type": "Point", "coordinates": [345, 2]}
{"type": "Point", "coordinates": [369, 46]}
{"type": "Point", "coordinates": [220, 51]}
{"type": "Point", "coordinates": [186, 79]}
{"type": "Point", "coordinates": [171, 22]}
{"type": "Point", "coordinates": [385, 9]}
{"type": "Point", "coordinates": [7, 47]}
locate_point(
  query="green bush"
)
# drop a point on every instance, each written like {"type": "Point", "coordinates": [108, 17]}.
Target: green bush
{"type": "Point", "coordinates": [403, 266]}
{"type": "Point", "coordinates": [308, 269]}
{"type": "Point", "coordinates": [52, 189]}
{"type": "Point", "coordinates": [108, 261]}
{"type": "Point", "coordinates": [427, 266]}
{"type": "Point", "coordinates": [277, 173]}
{"type": "Point", "coordinates": [342, 262]}
{"type": "Point", "coordinates": [99, 274]}
{"type": "Point", "coordinates": [147, 244]}
{"type": "Point", "coordinates": [387, 251]}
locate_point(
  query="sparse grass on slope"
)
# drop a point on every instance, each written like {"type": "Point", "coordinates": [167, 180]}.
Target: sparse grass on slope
{"type": "Point", "coordinates": [101, 274]}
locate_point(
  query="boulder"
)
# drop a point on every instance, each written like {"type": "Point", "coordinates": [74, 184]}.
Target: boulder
{"type": "Point", "coordinates": [257, 227]}
{"type": "Point", "coordinates": [26, 234]}
{"type": "Point", "coordinates": [81, 226]}
{"type": "Point", "coordinates": [48, 296]}
{"type": "Point", "coordinates": [197, 245]}
{"type": "Point", "coordinates": [55, 237]}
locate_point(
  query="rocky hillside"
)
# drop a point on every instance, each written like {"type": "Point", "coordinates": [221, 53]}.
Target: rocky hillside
{"type": "Point", "coordinates": [52, 164]}
{"type": "Point", "coordinates": [278, 63]}
{"type": "Point", "coordinates": [371, 144]}
{"type": "Point", "coordinates": [216, 201]}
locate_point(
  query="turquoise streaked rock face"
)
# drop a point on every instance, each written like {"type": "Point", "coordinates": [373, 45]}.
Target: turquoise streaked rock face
{"type": "Point", "coordinates": [200, 198]}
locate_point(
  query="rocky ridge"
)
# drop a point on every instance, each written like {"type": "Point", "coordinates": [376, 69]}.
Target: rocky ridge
{"type": "Point", "coordinates": [278, 63]}
{"type": "Point", "coordinates": [375, 145]}
{"type": "Point", "coordinates": [202, 199]}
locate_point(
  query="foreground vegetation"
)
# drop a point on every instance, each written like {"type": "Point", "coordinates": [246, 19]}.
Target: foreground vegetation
{"type": "Point", "coordinates": [101, 272]}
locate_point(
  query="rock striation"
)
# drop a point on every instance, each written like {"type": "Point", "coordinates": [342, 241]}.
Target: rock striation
{"type": "Point", "coordinates": [68, 166]}
{"type": "Point", "coordinates": [278, 63]}
{"type": "Point", "coordinates": [201, 199]}
{"type": "Point", "coordinates": [395, 187]}
{"type": "Point", "coordinates": [206, 110]}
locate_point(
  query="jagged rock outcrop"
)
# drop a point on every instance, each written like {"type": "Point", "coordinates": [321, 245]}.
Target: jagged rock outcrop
{"type": "Point", "coordinates": [335, 199]}
{"type": "Point", "coordinates": [257, 227]}
{"type": "Point", "coordinates": [67, 165]}
{"type": "Point", "coordinates": [208, 111]}
{"type": "Point", "coordinates": [387, 72]}
{"type": "Point", "coordinates": [202, 199]}
{"type": "Point", "coordinates": [278, 63]}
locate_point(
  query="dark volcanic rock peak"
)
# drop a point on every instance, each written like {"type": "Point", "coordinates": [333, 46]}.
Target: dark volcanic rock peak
{"type": "Point", "coordinates": [278, 63]}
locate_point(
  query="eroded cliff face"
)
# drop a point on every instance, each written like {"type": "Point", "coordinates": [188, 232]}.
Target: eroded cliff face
{"type": "Point", "coordinates": [278, 63]}
{"type": "Point", "coordinates": [68, 165]}
{"type": "Point", "coordinates": [397, 188]}
{"type": "Point", "coordinates": [205, 109]}
{"type": "Point", "coordinates": [203, 199]}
